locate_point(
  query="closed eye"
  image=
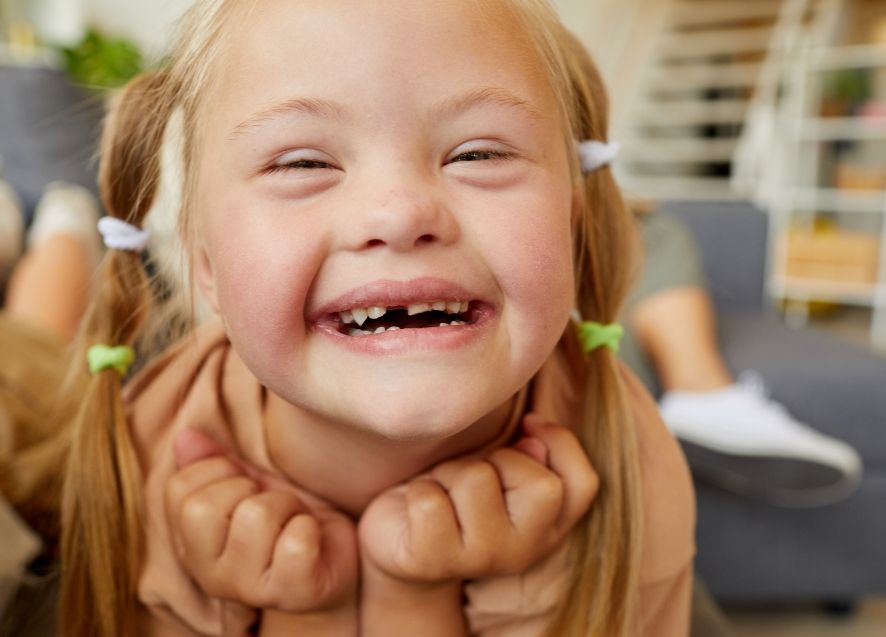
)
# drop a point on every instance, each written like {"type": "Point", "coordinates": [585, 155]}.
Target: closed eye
{"type": "Point", "coordinates": [300, 164]}
{"type": "Point", "coordinates": [301, 160]}
{"type": "Point", "coordinates": [480, 155]}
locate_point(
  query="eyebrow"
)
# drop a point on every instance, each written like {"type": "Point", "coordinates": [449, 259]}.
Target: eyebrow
{"type": "Point", "coordinates": [327, 109]}
{"type": "Point", "coordinates": [324, 109]}
{"type": "Point", "coordinates": [486, 95]}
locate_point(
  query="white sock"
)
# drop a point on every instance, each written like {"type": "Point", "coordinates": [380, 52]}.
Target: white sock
{"type": "Point", "coordinates": [67, 209]}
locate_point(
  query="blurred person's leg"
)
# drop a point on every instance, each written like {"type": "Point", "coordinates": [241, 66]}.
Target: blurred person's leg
{"type": "Point", "coordinates": [11, 229]}
{"type": "Point", "coordinates": [46, 295]}
{"type": "Point", "coordinates": [50, 286]}
{"type": "Point", "coordinates": [733, 434]}
{"type": "Point", "coordinates": [677, 328]}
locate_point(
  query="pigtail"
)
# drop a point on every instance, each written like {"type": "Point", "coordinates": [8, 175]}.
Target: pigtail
{"type": "Point", "coordinates": [101, 502]}
{"type": "Point", "coordinates": [601, 601]}
{"type": "Point", "coordinates": [602, 597]}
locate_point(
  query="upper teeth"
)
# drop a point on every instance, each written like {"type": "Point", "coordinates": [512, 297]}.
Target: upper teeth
{"type": "Point", "coordinates": [359, 315]}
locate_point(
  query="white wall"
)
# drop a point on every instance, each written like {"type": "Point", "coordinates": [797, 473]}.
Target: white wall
{"type": "Point", "coordinates": [615, 31]}
{"type": "Point", "coordinates": [621, 35]}
{"type": "Point", "coordinates": [148, 23]}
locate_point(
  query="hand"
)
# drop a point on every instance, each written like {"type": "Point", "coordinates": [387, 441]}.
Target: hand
{"type": "Point", "coordinates": [250, 538]}
{"type": "Point", "coordinates": [472, 518]}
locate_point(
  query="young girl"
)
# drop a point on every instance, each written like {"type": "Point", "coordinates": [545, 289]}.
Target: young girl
{"type": "Point", "coordinates": [383, 204]}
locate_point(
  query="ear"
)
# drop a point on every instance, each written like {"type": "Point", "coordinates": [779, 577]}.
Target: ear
{"type": "Point", "coordinates": [204, 276]}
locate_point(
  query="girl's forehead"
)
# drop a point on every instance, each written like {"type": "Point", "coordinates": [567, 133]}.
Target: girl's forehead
{"type": "Point", "coordinates": [394, 49]}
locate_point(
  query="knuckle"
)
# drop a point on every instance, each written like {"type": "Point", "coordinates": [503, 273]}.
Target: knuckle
{"type": "Point", "coordinates": [479, 474]}
{"type": "Point", "coordinates": [426, 501]}
{"type": "Point", "coordinates": [198, 509]}
{"type": "Point", "coordinates": [253, 513]}
{"type": "Point", "coordinates": [507, 457]}
{"type": "Point", "coordinates": [548, 487]}
{"type": "Point", "coordinates": [295, 545]}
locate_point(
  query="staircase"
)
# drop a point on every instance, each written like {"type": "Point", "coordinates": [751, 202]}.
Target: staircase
{"type": "Point", "coordinates": [712, 61]}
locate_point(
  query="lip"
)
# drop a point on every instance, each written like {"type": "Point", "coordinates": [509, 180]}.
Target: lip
{"type": "Point", "coordinates": [390, 293]}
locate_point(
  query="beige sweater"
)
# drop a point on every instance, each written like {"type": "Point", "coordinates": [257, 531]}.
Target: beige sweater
{"type": "Point", "coordinates": [203, 384]}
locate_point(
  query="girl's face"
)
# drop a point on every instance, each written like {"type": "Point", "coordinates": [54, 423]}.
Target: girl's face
{"type": "Point", "coordinates": [400, 162]}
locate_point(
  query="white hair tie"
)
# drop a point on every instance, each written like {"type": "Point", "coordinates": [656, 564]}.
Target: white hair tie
{"type": "Point", "coordinates": [119, 235]}
{"type": "Point", "coordinates": [595, 154]}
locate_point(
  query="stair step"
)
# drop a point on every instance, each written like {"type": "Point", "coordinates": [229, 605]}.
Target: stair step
{"type": "Point", "coordinates": [713, 188]}
{"type": "Point", "coordinates": [691, 112]}
{"type": "Point", "coordinates": [693, 150]}
{"type": "Point", "coordinates": [715, 42]}
{"type": "Point", "coordinates": [696, 14]}
{"type": "Point", "coordinates": [698, 77]}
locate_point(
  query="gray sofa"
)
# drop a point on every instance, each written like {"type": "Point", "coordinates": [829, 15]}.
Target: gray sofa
{"type": "Point", "coordinates": [751, 551]}
{"type": "Point", "coordinates": [49, 131]}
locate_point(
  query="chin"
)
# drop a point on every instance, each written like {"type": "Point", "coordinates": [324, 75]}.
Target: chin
{"type": "Point", "coordinates": [414, 423]}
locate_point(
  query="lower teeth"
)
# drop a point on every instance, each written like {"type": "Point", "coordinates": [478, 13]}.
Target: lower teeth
{"type": "Point", "coordinates": [382, 330]}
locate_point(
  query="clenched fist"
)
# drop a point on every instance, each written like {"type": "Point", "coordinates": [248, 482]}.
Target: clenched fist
{"type": "Point", "coordinates": [474, 518]}
{"type": "Point", "coordinates": [254, 540]}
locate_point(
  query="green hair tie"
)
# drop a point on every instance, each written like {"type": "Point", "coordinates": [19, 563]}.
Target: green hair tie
{"type": "Point", "coordinates": [593, 335]}
{"type": "Point", "coordinates": [102, 357]}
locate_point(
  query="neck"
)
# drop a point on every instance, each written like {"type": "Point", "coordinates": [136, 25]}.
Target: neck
{"type": "Point", "coordinates": [348, 467]}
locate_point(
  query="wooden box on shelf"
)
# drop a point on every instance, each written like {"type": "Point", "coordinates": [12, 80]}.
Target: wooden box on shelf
{"type": "Point", "coordinates": [855, 178]}
{"type": "Point", "coordinates": [833, 256]}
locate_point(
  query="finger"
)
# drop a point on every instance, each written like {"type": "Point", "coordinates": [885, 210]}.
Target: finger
{"type": "Point", "coordinates": [188, 481]}
{"type": "Point", "coordinates": [568, 459]}
{"type": "Point", "coordinates": [434, 534]}
{"type": "Point", "coordinates": [204, 522]}
{"type": "Point", "coordinates": [477, 497]}
{"type": "Point", "coordinates": [534, 448]}
{"type": "Point", "coordinates": [315, 563]}
{"type": "Point", "coordinates": [294, 564]}
{"type": "Point", "coordinates": [533, 493]}
{"type": "Point", "coordinates": [255, 526]}
{"type": "Point", "coordinates": [339, 567]}
{"type": "Point", "coordinates": [191, 445]}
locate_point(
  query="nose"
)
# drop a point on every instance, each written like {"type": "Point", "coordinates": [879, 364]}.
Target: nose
{"type": "Point", "coordinates": [401, 216]}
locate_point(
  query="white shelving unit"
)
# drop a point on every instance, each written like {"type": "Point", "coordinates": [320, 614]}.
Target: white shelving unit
{"type": "Point", "coordinates": [801, 196]}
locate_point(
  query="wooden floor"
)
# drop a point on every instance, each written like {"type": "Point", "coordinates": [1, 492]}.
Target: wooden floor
{"type": "Point", "coordinates": [869, 620]}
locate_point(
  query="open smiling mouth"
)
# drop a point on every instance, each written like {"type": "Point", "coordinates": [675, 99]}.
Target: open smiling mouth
{"type": "Point", "coordinates": [378, 320]}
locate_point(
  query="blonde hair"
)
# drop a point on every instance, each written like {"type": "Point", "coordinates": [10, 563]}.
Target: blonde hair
{"type": "Point", "coordinates": [102, 506]}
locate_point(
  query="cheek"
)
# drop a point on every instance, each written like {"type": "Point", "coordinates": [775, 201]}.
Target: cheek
{"type": "Point", "coordinates": [536, 270]}
{"type": "Point", "coordinates": [263, 274]}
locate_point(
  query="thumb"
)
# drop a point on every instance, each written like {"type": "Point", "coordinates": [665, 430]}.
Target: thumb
{"type": "Point", "coordinates": [191, 445]}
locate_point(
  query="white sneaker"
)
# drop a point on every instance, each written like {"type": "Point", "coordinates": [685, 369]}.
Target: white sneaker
{"type": "Point", "coordinates": [67, 209]}
{"type": "Point", "coordinates": [741, 440]}
{"type": "Point", "coordinates": [12, 227]}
